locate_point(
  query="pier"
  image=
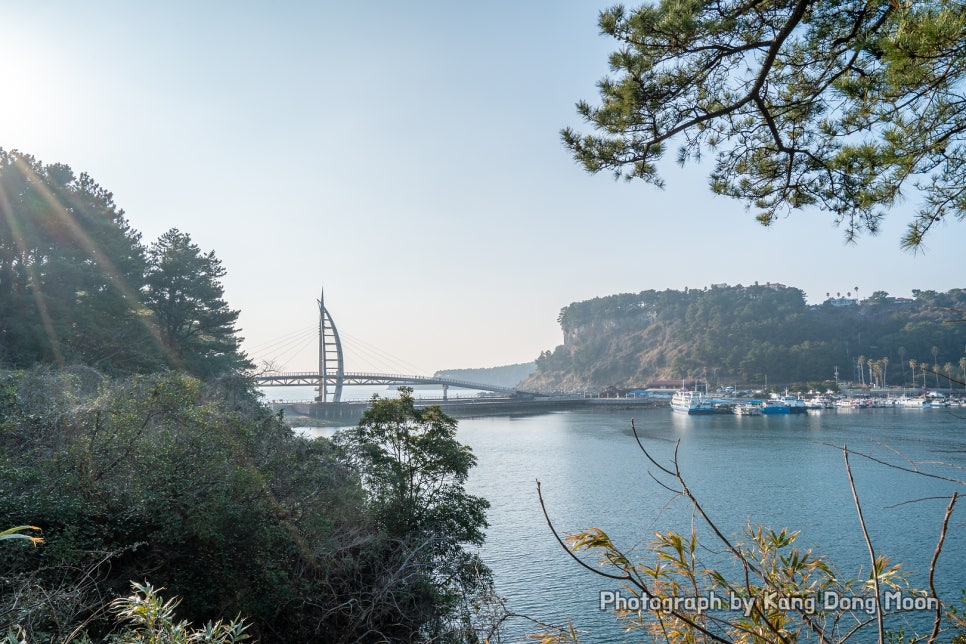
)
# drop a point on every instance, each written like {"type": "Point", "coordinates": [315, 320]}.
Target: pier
{"type": "Point", "coordinates": [349, 413]}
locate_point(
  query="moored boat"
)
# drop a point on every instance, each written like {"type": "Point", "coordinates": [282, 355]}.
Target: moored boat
{"type": "Point", "coordinates": [795, 404]}
{"type": "Point", "coordinates": [820, 402]}
{"type": "Point", "coordinates": [907, 401]}
{"type": "Point", "coordinates": [692, 402]}
{"type": "Point", "coordinates": [775, 406]}
{"type": "Point", "coordinates": [748, 409]}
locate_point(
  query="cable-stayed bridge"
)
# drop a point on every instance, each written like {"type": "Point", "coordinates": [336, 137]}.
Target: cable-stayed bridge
{"type": "Point", "coordinates": [311, 378]}
{"type": "Point", "coordinates": [331, 376]}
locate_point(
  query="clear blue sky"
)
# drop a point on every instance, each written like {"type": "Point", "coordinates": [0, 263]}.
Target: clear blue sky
{"type": "Point", "coordinates": [404, 155]}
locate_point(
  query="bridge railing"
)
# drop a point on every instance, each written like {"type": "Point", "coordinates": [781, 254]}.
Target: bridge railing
{"type": "Point", "coordinates": [383, 378]}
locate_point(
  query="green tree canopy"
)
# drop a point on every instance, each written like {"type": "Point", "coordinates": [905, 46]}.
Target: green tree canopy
{"type": "Point", "coordinates": [185, 294]}
{"type": "Point", "coordinates": [415, 471]}
{"type": "Point", "coordinates": [78, 287]}
{"type": "Point", "coordinates": [842, 106]}
{"type": "Point", "coordinates": [71, 268]}
{"type": "Point", "coordinates": [743, 334]}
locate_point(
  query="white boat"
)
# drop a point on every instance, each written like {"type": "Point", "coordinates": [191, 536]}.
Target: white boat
{"type": "Point", "coordinates": [748, 409]}
{"type": "Point", "coordinates": [820, 402]}
{"type": "Point", "coordinates": [692, 402]}
{"type": "Point", "coordinates": [919, 402]}
{"type": "Point", "coordinates": [853, 403]}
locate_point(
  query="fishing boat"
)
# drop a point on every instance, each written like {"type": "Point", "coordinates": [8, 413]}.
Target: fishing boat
{"type": "Point", "coordinates": [853, 403]}
{"type": "Point", "coordinates": [820, 402]}
{"type": "Point", "coordinates": [795, 404]}
{"type": "Point", "coordinates": [748, 409]}
{"type": "Point", "coordinates": [907, 401]}
{"type": "Point", "coordinates": [775, 406]}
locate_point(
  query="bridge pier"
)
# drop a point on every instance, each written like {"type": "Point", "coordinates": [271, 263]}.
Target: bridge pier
{"type": "Point", "coordinates": [445, 392]}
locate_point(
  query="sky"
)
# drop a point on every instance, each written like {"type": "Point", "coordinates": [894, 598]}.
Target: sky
{"type": "Point", "coordinates": [405, 157]}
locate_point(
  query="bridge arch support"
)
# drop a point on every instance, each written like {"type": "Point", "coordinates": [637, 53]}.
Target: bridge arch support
{"type": "Point", "coordinates": [331, 365]}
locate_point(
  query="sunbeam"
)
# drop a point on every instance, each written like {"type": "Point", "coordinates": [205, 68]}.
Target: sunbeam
{"type": "Point", "coordinates": [97, 256]}
{"type": "Point", "coordinates": [32, 277]}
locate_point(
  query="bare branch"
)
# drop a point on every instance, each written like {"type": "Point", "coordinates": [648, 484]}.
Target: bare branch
{"type": "Point", "coordinates": [624, 577]}
{"type": "Point", "coordinates": [868, 542]}
{"type": "Point", "coordinates": [932, 567]}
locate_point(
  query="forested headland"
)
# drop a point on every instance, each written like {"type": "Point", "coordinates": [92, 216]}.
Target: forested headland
{"type": "Point", "coordinates": [753, 335]}
{"type": "Point", "coordinates": [161, 494]}
{"type": "Point", "coordinates": [504, 376]}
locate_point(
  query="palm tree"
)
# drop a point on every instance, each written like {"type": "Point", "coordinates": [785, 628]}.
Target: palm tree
{"type": "Point", "coordinates": [885, 371]}
{"type": "Point", "coordinates": [856, 294]}
{"type": "Point", "coordinates": [861, 361]}
{"type": "Point", "coordinates": [912, 366]}
{"type": "Point", "coordinates": [922, 367]}
{"type": "Point", "coordinates": [962, 369]}
{"type": "Point", "coordinates": [935, 367]}
{"type": "Point", "coordinates": [949, 369]}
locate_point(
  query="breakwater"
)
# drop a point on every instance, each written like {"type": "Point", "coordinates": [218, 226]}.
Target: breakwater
{"type": "Point", "coordinates": [350, 412]}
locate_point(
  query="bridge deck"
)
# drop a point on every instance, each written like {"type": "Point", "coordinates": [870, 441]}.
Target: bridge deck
{"type": "Point", "coordinates": [309, 378]}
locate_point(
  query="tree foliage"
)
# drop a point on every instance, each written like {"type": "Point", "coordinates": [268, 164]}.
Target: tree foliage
{"type": "Point", "coordinates": [71, 268]}
{"type": "Point", "coordinates": [415, 471]}
{"type": "Point", "coordinates": [745, 334]}
{"type": "Point", "coordinates": [78, 287]}
{"type": "Point", "coordinates": [185, 294]}
{"type": "Point", "coordinates": [841, 106]}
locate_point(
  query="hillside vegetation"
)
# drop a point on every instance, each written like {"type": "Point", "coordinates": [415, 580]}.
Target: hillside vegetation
{"type": "Point", "coordinates": [506, 376]}
{"type": "Point", "coordinates": [753, 334]}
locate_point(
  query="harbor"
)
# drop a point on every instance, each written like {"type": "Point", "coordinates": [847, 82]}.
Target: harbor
{"type": "Point", "coordinates": [310, 412]}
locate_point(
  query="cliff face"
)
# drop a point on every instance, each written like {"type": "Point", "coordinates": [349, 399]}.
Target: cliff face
{"type": "Point", "coordinates": [746, 335]}
{"type": "Point", "coordinates": [610, 353]}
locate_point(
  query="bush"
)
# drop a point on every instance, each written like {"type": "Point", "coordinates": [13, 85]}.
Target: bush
{"type": "Point", "coordinates": [201, 489]}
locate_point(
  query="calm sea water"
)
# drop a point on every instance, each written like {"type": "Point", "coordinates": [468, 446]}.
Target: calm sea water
{"type": "Point", "coordinates": [778, 471]}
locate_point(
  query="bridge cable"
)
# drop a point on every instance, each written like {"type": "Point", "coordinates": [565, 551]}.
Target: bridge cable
{"type": "Point", "coordinates": [384, 355]}
{"type": "Point", "coordinates": [284, 349]}
{"type": "Point", "coordinates": [296, 350]}
{"type": "Point", "coordinates": [274, 351]}
{"type": "Point", "coordinates": [282, 339]}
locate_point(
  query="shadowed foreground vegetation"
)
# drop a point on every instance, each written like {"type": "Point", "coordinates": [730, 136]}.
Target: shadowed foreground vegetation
{"type": "Point", "coordinates": [196, 487]}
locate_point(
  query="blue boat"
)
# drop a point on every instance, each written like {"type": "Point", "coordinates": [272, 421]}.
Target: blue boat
{"type": "Point", "coordinates": [775, 407]}
{"type": "Point", "coordinates": [785, 405]}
